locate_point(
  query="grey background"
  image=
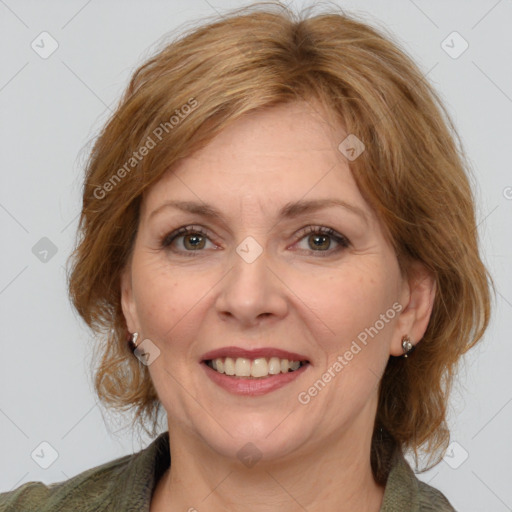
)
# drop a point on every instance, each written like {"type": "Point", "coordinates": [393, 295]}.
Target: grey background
{"type": "Point", "coordinates": [51, 108]}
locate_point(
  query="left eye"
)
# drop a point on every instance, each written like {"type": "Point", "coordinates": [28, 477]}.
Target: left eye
{"type": "Point", "coordinates": [319, 239]}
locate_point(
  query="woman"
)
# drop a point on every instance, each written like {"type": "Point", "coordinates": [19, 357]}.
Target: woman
{"type": "Point", "coordinates": [279, 236]}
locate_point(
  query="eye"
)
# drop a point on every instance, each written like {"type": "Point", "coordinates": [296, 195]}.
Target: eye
{"type": "Point", "coordinates": [319, 239]}
{"type": "Point", "coordinates": [193, 239]}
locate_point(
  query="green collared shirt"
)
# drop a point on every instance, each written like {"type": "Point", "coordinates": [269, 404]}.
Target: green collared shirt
{"type": "Point", "coordinates": [126, 484]}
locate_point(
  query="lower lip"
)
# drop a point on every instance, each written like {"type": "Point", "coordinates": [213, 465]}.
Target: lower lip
{"type": "Point", "coordinates": [252, 387]}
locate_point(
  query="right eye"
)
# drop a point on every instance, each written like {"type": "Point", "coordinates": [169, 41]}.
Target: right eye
{"type": "Point", "coordinates": [194, 239]}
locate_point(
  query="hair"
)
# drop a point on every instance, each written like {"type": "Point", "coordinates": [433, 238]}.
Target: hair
{"type": "Point", "coordinates": [413, 173]}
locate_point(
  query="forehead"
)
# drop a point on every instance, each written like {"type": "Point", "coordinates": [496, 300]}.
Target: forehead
{"type": "Point", "coordinates": [264, 160]}
{"type": "Point", "coordinates": [278, 132]}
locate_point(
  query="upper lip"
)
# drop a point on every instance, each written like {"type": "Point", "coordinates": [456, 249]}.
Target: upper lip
{"type": "Point", "coordinates": [235, 352]}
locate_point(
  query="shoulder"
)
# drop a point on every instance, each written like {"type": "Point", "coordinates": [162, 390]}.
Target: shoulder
{"type": "Point", "coordinates": [90, 488]}
{"type": "Point", "coordinates": [125, 483]}
{"type": "Point", "coordinates": [432, 500]}
{"type": "Point", "coordinates": [404, 492]}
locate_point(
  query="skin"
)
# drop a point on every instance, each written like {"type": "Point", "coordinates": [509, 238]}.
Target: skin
{"type": "Point", "coordinates": [294, 296]}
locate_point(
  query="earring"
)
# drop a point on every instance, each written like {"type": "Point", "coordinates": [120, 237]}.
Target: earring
{"type": "Point", "coordinates": [407, 345]}
{"type": "Point", "coordinates": [132, 342]}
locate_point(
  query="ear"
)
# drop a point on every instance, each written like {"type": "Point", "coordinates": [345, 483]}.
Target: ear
{"type": "Point", "coordinates": [127, 301]}
{"type": "Point", "coordinates": [417, 300]}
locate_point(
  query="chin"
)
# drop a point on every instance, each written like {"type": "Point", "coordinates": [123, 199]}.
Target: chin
{"type": "Point", "coordinates": [254, 436]}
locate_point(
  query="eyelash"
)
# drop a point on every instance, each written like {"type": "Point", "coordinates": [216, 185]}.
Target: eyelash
{"type": "Point", "coordinates": [341, 240]}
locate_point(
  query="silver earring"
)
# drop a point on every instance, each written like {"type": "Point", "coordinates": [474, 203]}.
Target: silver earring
{"type": "Point", "coordinates": [407, 345]}
{"type": "Point", "coordinates": [132, 342]}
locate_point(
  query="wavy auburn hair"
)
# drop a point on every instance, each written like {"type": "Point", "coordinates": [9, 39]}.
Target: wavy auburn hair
{"type": "Point", "coordinates": [413, 173]}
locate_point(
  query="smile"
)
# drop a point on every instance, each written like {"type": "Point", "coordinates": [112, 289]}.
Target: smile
{"type": "Point", "coordinates": [253, 372]}
{"type": "Point", "coordinates": [253, 368]}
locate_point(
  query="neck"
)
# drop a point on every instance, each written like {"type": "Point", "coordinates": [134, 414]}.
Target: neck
{"type": "Point", "coordinates": [334, 476]}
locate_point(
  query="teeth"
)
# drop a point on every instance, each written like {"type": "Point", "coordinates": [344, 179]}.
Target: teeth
{"type": "Point", "coordinates": [229, 366]}
{"type": "Point", "coordinates": [259, 367]}
{"type": "Point", "coordinates": [274, 366]}
{"type": "Point", "coordinates": [255, 368]}
{"type": "Point", "coordinates": [242, 367]}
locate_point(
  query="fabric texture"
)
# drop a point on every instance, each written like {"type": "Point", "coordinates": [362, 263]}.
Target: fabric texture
{"type": "Point", "coordinates": [126, 484]}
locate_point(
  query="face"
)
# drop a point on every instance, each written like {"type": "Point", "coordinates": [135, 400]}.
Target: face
{"type": "Point", "coordinates": [266, 274]}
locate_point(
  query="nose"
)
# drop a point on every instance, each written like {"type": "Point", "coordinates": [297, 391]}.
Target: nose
{"type": "Point", "coordinates": [251, 292]}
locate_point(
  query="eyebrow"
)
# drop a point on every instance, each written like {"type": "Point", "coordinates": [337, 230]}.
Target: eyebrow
{"type": "Point", "coordinates": [288, 211]}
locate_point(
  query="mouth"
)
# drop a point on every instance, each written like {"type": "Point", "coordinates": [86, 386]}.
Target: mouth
{"type": "Point", "coordinates": [253, 372]}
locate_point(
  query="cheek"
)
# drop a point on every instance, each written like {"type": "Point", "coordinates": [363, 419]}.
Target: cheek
{"type": "Point", "coordinates": [166, 296]}
{"type": "Point", "coordinates": [343, 303]}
